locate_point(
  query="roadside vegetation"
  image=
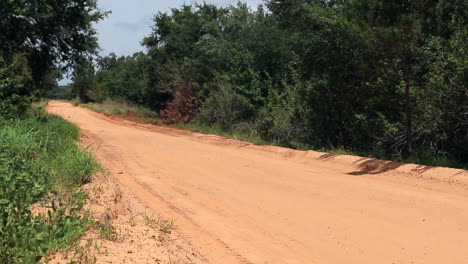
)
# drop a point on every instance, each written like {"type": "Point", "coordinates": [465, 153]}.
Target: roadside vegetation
{"type": "Point", "coordinates": [145, 115]}
{"type": "Point", "coordinates": [385, 79]}
{"type": "Point", "coordinates": [124, 110]}
{"type": "Point", "coordinates": [40, 169]}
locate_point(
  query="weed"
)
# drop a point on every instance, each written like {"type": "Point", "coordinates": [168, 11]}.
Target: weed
{"type": "Point", "coordinates": [115, 111]}
{"type": "Point", "coordinates": [83, 255]}
{"type": "Point", "coordinates": [132, 220]}
{"type": "Point", "coordinates": [161, 238]}
{"type": "Point", "coordinates": [118, 195]}
{"type": "Point", "coordinates": [241, 135]}
{"type": "Point", "coordinates": [97, 189]}
{"type": "Point", "coordinates": [151, 221]}
{"type": "Point", "coordinates": [99, 249]}
{"type": "Point", "coordinates": [166, 226]}
{"type": "Point", "coordinates": [107, 230]}
{"type": "Point", "coordinates": [75, 102]}
{"type": "Point", "coordinates": [40, 168]}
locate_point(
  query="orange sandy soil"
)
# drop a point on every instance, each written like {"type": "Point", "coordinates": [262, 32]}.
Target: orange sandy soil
{"type": "Point", "coordinates": [128, 231]}
{"type": "Point", "coordinates": [235, 202]}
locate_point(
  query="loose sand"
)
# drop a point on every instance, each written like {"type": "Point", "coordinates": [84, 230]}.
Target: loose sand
{"type": "Point", "coordinates": [235, 202]}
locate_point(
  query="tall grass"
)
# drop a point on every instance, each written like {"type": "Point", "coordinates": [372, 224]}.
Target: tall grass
{"type": "Point", "coordinates": [242, 135]}
{"type": "Point", "coordinates": [127, 111]}
{"type": "Point", "coordinates": [40, 168]}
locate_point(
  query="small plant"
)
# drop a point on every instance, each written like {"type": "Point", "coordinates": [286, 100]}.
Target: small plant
{"type": "Point", "coordinates": [118, 195]}
{"type": "Point", "coordinates": [115, 111]}
{"type": "Point", "coordinates": [97, 189]}
{"type": "Point", "coordinates": [151, 221]}
{"type": "Point", "coordinates": [107, 230]}
{"type": "Point", "coordinates": [166, 226]}
{"type": "Point", "coordinates": [132, 220]}
{"type": "Point", "coordinates": [161, 238]}
{"type": "Point", "coordinates": [83, 255]}
{"type": "Point", "coordinates": [99, 249]}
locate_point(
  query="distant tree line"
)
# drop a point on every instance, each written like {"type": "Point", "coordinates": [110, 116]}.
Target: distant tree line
{"type": "Point", "coordinates": [387, 78]}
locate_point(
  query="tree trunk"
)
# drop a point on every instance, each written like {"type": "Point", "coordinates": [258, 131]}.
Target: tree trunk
{"type": "Point", "coordinates": [408, 112]}
{"type": "Point", "coordinates": [407, 78]}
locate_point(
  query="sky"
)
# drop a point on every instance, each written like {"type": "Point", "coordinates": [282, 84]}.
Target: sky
{"type": "Point", "coordinates": [131, 21]}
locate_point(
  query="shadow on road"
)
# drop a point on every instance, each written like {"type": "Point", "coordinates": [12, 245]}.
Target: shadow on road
{"type": "Point", "coordinates": [373, 166]}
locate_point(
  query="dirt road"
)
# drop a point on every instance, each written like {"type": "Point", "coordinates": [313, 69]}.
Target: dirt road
{"type": "Point", "coordinates": [240, 203]}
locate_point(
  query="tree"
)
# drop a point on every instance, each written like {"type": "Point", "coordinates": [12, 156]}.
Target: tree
{"type": "Point", "coordinates": [83, 76]}
{"type": "Point", "coordinates": [49, 33]}
{"type": "Point", "coordinates": [386, 78]}
{"type": "Point", "coordinates": [398, 30]}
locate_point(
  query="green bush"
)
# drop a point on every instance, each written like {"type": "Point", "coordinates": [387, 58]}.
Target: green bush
{"type": "Point", "coordinates": [276, 120]}
{"type": "Point", "coordinates": [225, 108]}
{"type": "Point", "coordinates": [15, 98]}
{"type": "Point", "coordinates": [39, 166]}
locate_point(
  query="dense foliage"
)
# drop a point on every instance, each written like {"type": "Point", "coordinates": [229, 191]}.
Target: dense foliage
{"type": "Point", "coordinates": [63, 92]}
{"type": "Point", "coordinates": [39, 166]}
{"type": "Point", "coordinates": [38, 41]}
{"type": "Point", "coordinates": [40, 163]}
{"type": "Point", "coordinates": [381, 78]}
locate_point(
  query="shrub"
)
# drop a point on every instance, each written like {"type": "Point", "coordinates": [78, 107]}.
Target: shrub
{"type": "Point", "coordinates": [15, 98]}
{"type": "Point", "coordinates": [39, 166]}
{"type": "Point", "coordinates": [276, 121]}
{"type": "Point", "coordinates": [184, 106]}
{"type": "Point", "coordinates": [225, 108]}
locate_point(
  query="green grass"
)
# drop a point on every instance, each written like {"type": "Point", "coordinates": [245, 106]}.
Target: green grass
{"type": "Point", "coordinates": [135, 113]}
{"type": "Point", "coordinates": [426, 158]}
{"type": "Point", "coordinates": [213, 130]}
{"type": "Point", "coordinates": [40, 170]}
{"type": "Point", "coordinates": [145, 115]}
